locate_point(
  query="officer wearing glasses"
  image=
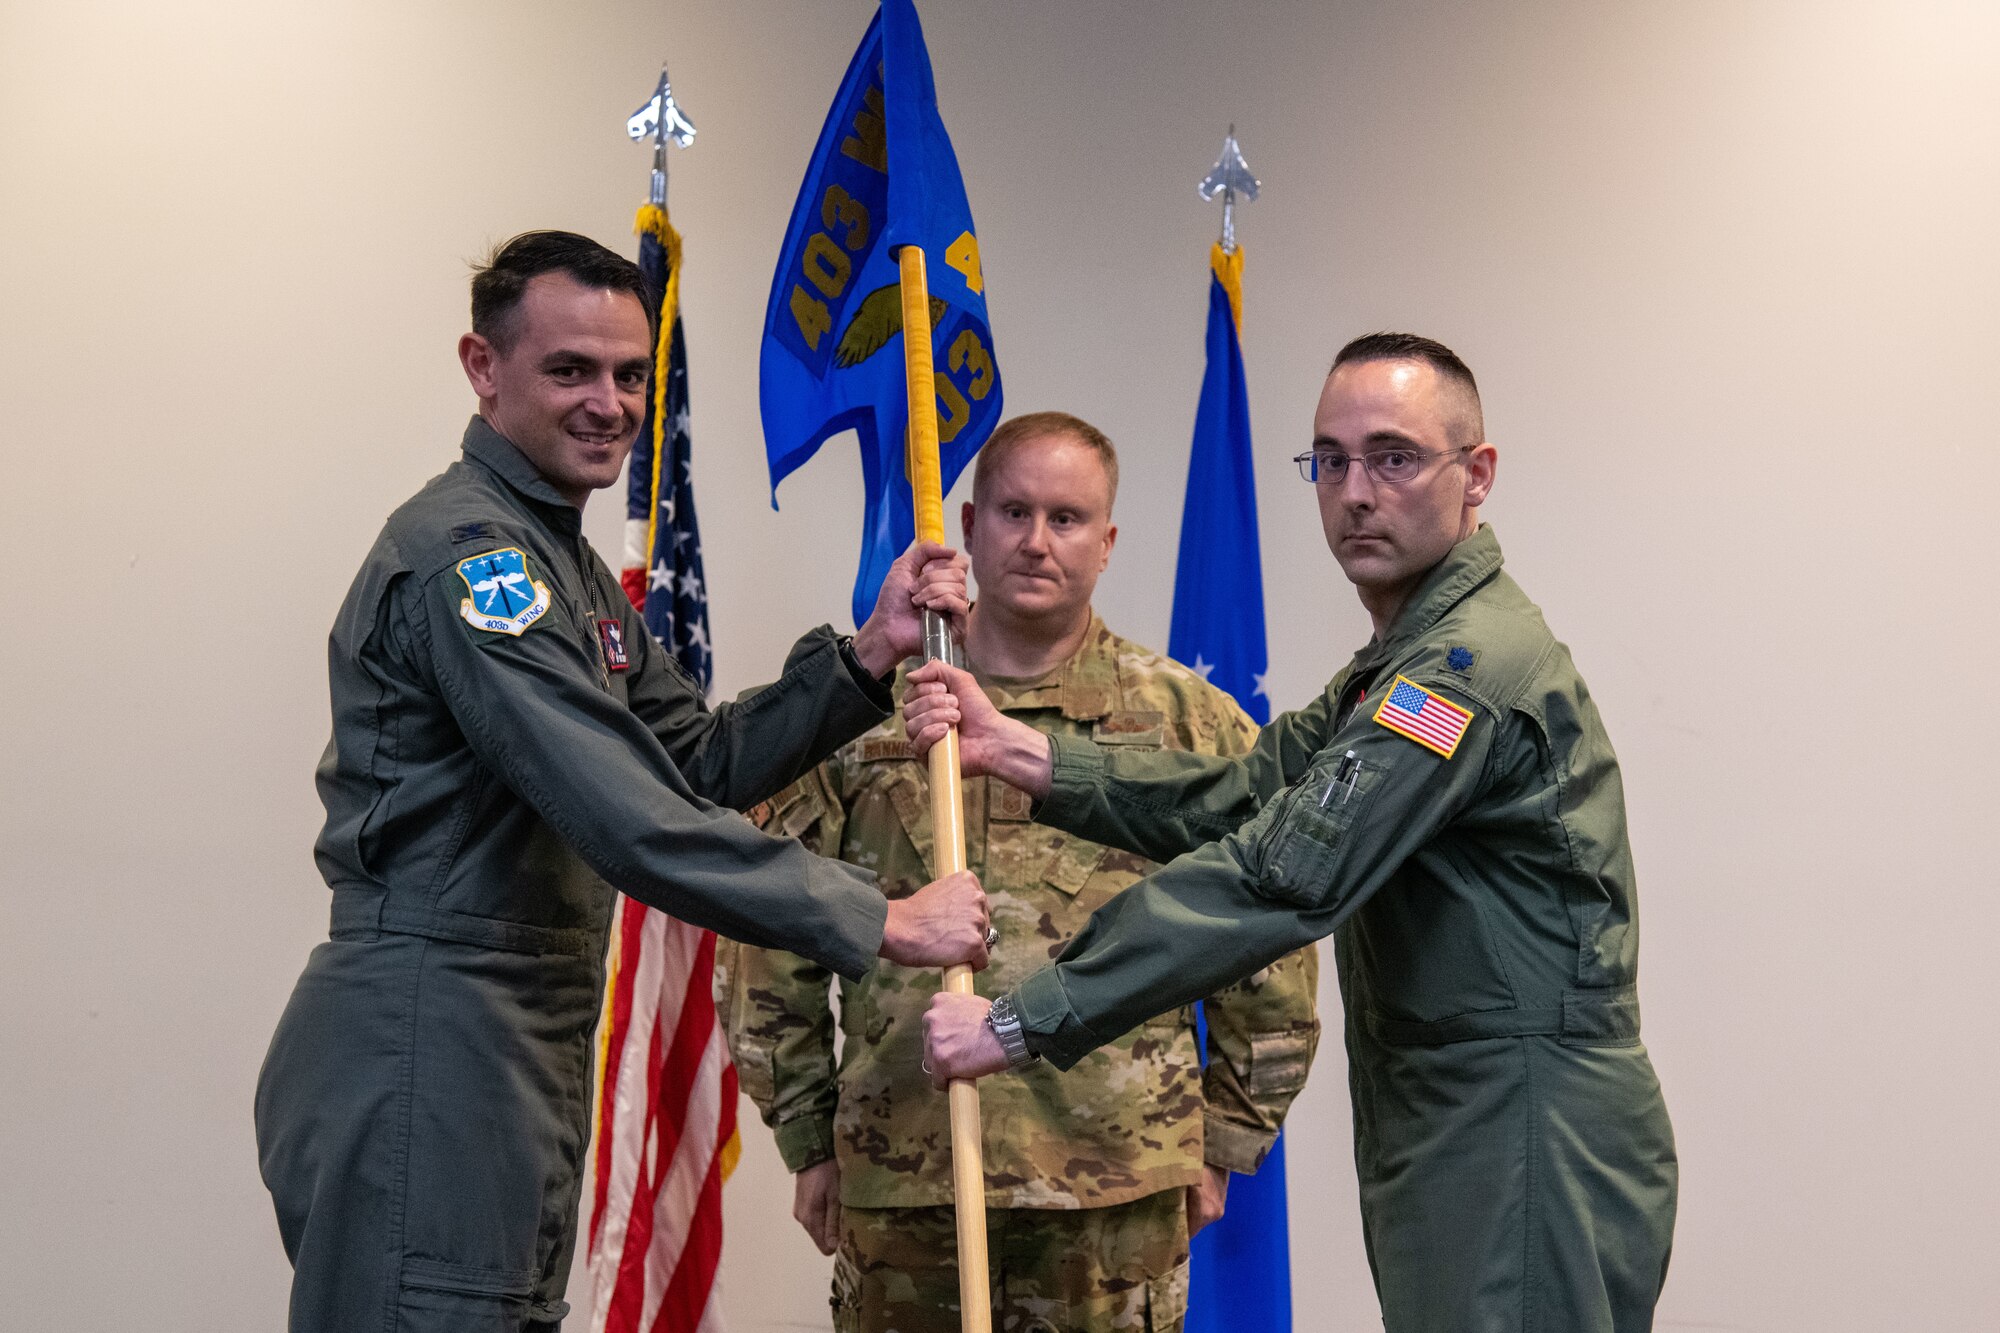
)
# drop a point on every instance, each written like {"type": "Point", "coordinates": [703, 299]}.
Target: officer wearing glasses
{"type": "Point", "coordinates": [1452, 801]}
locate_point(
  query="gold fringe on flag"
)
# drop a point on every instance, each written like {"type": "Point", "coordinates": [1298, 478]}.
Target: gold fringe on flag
{"type": "Point", "coordinates": [1228, 267]}
{"type": "Point", "coordinates": [604, 1028]}
{"type": "Point", "coordinates": [652, 221]}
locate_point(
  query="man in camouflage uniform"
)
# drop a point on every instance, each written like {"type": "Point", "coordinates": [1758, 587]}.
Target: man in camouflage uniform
{"type": "Point", "coordinates": [1096, 1177]}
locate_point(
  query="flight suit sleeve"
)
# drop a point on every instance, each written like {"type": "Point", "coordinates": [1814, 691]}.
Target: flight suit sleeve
{"type": "Point", "coordinates": [1262, 1033]}
{"type": "Point", "coordinates": [1162, 803]}
{"type": "Point", "coordinates": [533, 709]}
{"type": "Point", "coordinates": [779, 1014]}
{"type": "Point", "coordinates": [1308, 859]}
{"type": "Point", "coordinates": [738, 753]}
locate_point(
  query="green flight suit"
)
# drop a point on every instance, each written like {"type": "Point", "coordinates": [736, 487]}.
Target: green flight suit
{"type": "Point", "coordinates": [1516, 1164]}
{"type": "Point", "coordinates": [508, 746]}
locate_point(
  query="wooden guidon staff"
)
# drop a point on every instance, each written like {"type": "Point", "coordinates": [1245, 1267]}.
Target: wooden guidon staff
{"type": "Point", "coordinates": [968, 1169]}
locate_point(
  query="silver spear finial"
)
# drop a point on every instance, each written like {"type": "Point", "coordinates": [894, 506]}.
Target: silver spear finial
{"type": "Point", "coordinates": [662, 121]}
{"type": "Point", "coordinates": [1229, 177]}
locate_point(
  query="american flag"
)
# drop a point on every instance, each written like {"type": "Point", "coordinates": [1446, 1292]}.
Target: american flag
{"type": "Point", "coordinates": [1429, 720]}
{"type": "Point", "coordinates": [666, 1133]}
{"type": "Point", "coordinates": [662, 573]}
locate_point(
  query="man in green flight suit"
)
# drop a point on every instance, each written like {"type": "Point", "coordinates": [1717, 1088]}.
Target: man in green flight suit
{"type": "Point", "coordinates": [508, 747]}
{"type": "Point", "coordinates": [1452, 806]}
{"type": "Point", "coordinates": [1097, 1177]}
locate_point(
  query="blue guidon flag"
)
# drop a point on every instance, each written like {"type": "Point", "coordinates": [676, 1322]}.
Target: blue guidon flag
{"type": "Point", "coordinates": [1239, 1269]}
{"type": "Point", "coordinates": [882, 176]}
{"type": "Point", "coordinates": [504, 597]}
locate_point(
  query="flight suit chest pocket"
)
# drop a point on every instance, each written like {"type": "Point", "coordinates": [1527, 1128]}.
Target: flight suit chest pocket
{"type": "Point", "coordinates": [1302, 849]}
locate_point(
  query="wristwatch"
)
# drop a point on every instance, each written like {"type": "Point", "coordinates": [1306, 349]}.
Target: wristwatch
{"type": "Point", "coordinates": [1006, 1025]}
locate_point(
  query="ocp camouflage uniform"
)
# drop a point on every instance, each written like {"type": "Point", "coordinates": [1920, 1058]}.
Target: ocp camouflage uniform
{"type": "Point", "coordinates": [1095, 1160]}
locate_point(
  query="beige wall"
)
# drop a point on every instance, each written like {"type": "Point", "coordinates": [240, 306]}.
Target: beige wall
{"type": "Point", "coordinates": [1725, 269]}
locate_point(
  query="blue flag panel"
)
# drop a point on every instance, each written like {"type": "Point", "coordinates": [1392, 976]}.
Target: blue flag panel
{"type": "Point", "coordinates": [882, 176]}
{"type": "Point", "coordinates": [1240, 1277]}
{"type": "Point", "coordinates": [1218, 624]}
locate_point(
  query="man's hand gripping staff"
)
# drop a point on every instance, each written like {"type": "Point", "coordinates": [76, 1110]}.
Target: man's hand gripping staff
{"type": "Point", "coordinates": [944, 923]}
{"type": "Point", "coordinates": [959, 1043]}
{"type": "Point", "coordinates": [927, 577]}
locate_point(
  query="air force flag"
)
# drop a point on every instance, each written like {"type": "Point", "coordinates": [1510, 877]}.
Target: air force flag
{"type": "Point", "coordinates": [1240, 1268]}
{"type": "Point", "coordinates": [882, 176]}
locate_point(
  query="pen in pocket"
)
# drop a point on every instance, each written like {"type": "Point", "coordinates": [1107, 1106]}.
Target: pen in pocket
{"type": "Point", "coordinates": [1345, 774]}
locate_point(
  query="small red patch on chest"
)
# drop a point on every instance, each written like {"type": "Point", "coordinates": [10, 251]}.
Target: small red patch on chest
{"type": "Point", "coordinates": [611, 635]}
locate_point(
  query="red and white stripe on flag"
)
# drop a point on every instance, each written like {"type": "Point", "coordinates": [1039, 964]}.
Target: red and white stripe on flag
{"type": "Point", "coordinates": [666, 1133]}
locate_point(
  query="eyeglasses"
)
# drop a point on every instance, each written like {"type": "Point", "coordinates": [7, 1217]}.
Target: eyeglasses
{"type": "Point", "coordinates": [1391, 467]}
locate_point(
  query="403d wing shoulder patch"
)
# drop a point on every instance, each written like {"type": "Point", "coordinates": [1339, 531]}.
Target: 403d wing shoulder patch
{"type": "Point", "coordinates": [505, 597]}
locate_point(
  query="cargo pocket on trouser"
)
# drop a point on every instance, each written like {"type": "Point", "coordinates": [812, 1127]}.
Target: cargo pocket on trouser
{"type": "Point", "coordinates": [440, 1297]}
{"type": "Point", "coordinates": [846, 1297]}
{"type": "Point", "coordinates": [1167, 1300]}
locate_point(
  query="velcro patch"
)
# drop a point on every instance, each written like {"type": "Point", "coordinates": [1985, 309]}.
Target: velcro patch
{"type": "Point", "coordinates": [611, 637]}
{"type": "Point", "coordinates": [506, 597]}
{"type": "Point", "coordinates": [886, 749]}
{"type": "Point", "coordinates": [1431, 720]}
{"type": "Point", "coordinates": [473, 532]}
{"type": "Point", "coordinates": [1008, 805]}
{"type": "Point", "coordinates": [1130, 727]}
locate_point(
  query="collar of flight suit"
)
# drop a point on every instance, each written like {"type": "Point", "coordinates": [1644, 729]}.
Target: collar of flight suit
{"type": "Point", "coordinates": [1085, 688]}
{"type": "Point", "coordinates": [504, 459]}
{"type": "Point", "coordinates": [1464, 569]}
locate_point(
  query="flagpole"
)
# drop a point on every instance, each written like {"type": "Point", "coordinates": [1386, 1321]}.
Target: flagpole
{"type": "Point", "coordinates": [1239, 1277]}
{"type": "Point", "coordinates": [968, 1171]}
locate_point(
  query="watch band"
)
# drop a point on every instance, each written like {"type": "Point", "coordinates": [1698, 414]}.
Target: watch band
{"type": "Point", "coordinates": [1006, 1025]}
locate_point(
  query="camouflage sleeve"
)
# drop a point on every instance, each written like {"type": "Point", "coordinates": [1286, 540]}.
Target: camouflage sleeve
{"type": "Point", "coordinates": [1262, 1033]}
{"type": "Point", "coordinates": [775, 1006]}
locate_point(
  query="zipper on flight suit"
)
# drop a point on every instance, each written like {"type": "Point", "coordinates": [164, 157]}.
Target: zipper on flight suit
{"type": "Point", "coordinates": [596, 630]}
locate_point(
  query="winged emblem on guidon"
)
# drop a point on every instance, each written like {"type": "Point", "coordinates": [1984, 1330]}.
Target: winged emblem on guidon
{"type": "Point", "coordinates": [876, 320]}
{"type": "Point", "coordinates": [506, 598]}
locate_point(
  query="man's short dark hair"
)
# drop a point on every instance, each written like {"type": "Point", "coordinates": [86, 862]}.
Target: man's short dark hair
{"type": "Point", "coordinates": [1414, 347]}
{"type": "Point", "coordinates": [499, 283]}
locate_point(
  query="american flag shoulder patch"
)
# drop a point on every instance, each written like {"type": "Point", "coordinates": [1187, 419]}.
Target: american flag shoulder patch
{"type": "Point", "coordinates": [1429, 719]}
